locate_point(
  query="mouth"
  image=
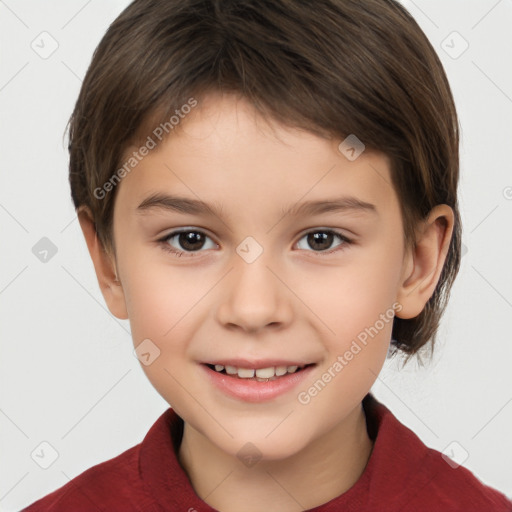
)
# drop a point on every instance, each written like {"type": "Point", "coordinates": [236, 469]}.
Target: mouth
{"type": "Point", "coordinates": [257, 382]}
{"type": "Point", "coordinates": [257, 379]}
{"type": "Point", "coordinates": [267, 374]}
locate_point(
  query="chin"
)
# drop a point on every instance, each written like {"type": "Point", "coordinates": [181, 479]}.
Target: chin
{"type": "Point", "coordinates": [252, 447]}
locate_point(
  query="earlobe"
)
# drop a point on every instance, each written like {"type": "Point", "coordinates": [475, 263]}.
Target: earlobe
{"type": "Point", "coordinates": [104, 266]}
{"type": "Point", "coordinates": [424, 263]}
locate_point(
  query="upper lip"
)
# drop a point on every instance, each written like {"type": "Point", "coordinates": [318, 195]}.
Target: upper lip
{"type": "Point", "coordinates": [256, 363]}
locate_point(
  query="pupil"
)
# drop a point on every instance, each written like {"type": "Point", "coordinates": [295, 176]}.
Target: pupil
{"type": "Point", "coordinates": [321, 237]}
{"type": "Point", "coordinates": [187, 240]}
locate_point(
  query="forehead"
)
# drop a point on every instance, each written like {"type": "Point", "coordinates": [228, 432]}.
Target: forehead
{"type": "Point", "coordinates": [226, 153]}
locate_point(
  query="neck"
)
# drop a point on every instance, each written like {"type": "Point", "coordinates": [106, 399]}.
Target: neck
{"type": "Point", "coordinates": [323, 470]}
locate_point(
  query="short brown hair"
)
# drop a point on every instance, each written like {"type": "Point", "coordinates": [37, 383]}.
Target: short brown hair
{"type": "Point", "coordinates": [331, 67]}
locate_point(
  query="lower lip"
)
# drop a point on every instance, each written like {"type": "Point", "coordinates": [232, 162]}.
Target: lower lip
{"type": "Point", "coordinates": [252, 390]}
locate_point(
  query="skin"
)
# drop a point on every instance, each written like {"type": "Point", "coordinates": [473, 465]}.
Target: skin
{"type": "Point", "coordinates": [293, 301]}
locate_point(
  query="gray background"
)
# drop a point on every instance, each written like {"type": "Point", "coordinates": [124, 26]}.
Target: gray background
{"type": "Point", "coordinates": [68, 374]}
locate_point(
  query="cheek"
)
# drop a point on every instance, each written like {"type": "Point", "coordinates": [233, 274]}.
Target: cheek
{"type": "Point", "coordinates": [158, 298]}
{"type": "Point", "coordinates": [160, 303]}
{"type": "Point", "coordinates": [353, 298]}
{"type": "Point", "coordinates": [166, 305]}
{"type": "Point", "coordinates": [360, 313]}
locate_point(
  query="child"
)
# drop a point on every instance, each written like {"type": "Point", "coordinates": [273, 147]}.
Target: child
{"type": "Point", "coordinates": [311, 149]}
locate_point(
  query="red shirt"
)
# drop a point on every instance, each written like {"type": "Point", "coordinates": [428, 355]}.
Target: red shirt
{"type": "Point", "coordinates": [402, 474]}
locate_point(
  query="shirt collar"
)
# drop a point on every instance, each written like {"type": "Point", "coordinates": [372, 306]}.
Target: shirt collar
{"type": "Point", "coordinates": [169, 485]}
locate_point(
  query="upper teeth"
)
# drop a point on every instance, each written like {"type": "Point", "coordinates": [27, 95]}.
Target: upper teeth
{"type": "Point", "coordinates": [262, 373]}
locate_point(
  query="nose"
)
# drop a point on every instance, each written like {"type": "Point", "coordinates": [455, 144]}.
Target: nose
{"type": "Point", "coordinates": [254, 296]}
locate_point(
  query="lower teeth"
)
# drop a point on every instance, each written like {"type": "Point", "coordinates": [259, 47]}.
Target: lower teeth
{"type": "Point", "coordinates": [257, 379]}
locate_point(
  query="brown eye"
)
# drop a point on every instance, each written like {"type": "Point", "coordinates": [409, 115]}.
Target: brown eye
{"type": "Point", "coordinates": [322, 240]}
{"type": "Point", "coordinates": [191, 240]}
{"type": "Point", "coordinates": [185, 242]}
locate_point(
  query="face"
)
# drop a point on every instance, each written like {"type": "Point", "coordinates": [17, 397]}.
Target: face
{"type": "Point", "coordinates": [270, 274]}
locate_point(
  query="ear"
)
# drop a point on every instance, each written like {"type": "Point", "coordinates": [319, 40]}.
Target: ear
{"type": "Point", "coordinates": [104, 266]}
{"type": "Point", "coordinates": [424, 262]}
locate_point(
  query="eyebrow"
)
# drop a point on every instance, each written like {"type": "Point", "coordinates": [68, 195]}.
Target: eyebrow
{"type": "Point", "coordinates": [186, 205]}
{"type": "Point", "coordinates": [178, 204]}
{"type": "Point", "coordinates": [341, 204]}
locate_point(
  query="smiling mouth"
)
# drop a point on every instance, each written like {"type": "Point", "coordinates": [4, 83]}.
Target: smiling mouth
{"type": "Point", "coordinates": [260, 375]}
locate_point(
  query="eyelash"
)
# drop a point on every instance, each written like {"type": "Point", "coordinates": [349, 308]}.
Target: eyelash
{"type": "Point", "coordinates": [168, 248]}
